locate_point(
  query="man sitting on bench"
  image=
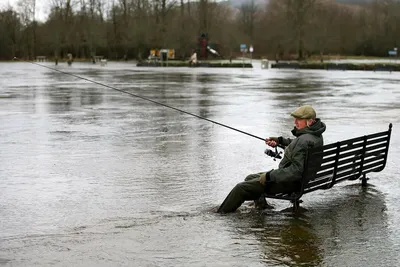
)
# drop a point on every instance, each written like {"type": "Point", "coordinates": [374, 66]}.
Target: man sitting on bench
{"type": "Point", "coordinates": [308, 132]}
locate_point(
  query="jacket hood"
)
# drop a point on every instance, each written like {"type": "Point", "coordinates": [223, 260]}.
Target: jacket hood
{"type": "Point", "coordinates": [316, 129]}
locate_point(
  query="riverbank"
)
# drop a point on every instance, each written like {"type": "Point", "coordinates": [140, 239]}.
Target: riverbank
{"type": "Point", "coordinates": [379, 66]}
{"type": "Point", "coordinates": [238, 63]}
{"type": "Point", "coordinates": [203, 64]}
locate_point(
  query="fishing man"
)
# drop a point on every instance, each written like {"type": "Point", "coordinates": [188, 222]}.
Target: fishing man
{"type": "Point", "coordinates": [308, 132]}
{"type": "Point", "coordinates": [193, 58]}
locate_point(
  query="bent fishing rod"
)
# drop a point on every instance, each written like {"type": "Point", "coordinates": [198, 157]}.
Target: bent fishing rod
{"type": "Point", "coordinates": [147, 99]}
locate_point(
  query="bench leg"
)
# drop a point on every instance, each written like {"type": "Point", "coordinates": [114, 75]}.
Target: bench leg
{"type": "Point", "coordinates": [364, 180]}
{"type": "Point", "coordinates": [296, 205]}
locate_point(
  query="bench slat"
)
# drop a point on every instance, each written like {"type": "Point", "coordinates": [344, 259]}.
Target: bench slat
{"type": "Point", "coordinates": [380, 154]}
{"type": "Point", "coordinates": [360, 144]}
{"type": "Point", "coordinates": [310, 189]}
{"type": "Point", "coordinates": [357, 139]}
{"type": "Point", "coordinates": [376, 152]}
{"type": "Point", "coordinates": [373, 167]}
{"type": "Point", "coordinates": [330, 172]}
{"type": "Point", "coordinates": [331, 157]}
{"type": "Point", "coordinates": [317, 182]}
{"type": "Point", "coordinates": [347, 174]}
{"type": "Point", "coordinates": [287, 196]}
{"type": "Point", "coordinates": [375, 135]}
{"type": "Point", "coordinates": [354, 160]}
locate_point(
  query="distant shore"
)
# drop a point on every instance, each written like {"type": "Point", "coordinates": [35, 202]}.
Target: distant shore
{"type": "Point", "coordinates": [234, 60]}
{"type": "Point", "coordinates": [202, 63]}
{"type": "Point", "coordinates": [361, 63]}
{"type": "Point", "coordinates": [385, 66]}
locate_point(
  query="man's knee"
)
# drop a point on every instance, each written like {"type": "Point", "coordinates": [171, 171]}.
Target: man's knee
{"type": "Point", "coordinates": [248, 177]}
{"type": "Point", "coordinates": [252, 176]}
{"type": "Point", "coordinates": [239, 187]}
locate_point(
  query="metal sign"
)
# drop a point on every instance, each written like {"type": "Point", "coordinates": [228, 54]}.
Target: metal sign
{"type": "Point", "coordinates": [251, 49]}
{"type": "Point", "coordinates": [243, 48]}
{"type": "Point", "coordinates": [392, 53]}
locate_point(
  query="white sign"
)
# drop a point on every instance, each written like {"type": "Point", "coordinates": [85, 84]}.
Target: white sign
{"type": "Point", "coordinates": [251, 49]}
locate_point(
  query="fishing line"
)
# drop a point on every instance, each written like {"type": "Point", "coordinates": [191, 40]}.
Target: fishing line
{"type": "Point", "coordinates": [145, 98]}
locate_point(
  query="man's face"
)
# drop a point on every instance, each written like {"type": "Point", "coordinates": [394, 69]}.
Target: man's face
{"type": "Point", "coordinates": [300, 123]}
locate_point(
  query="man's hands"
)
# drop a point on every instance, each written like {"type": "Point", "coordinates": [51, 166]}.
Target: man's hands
{"type": "Point", "coordinates": [272, 141]}
{"type": "Point", "coordinates": [264, 178]}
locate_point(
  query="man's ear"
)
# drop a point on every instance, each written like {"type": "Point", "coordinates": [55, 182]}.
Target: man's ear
{"type": "Point", "coordinates": [310, 122]}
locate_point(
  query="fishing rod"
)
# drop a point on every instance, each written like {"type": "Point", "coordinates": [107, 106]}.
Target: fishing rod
{"type": "Point", "coordinates": [150, 100]}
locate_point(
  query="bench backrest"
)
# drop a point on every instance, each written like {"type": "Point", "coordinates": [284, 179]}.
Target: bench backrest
{"type": "Point", "coordinates": [345, 160]}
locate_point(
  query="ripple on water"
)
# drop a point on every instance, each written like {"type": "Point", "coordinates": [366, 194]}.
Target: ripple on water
{"type": "Point", "coordinates": [94, 177]}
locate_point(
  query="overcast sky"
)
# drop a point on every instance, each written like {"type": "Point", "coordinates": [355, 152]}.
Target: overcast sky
{"type": "Point", "coordinates": [42, 8]}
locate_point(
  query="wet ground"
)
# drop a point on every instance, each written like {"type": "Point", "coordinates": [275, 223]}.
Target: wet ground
{"type": "Point", "coordinates": [91, 176]}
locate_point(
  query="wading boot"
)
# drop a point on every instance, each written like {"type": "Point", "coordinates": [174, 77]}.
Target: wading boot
{"type": "Point", "coordinates": [261, 203]}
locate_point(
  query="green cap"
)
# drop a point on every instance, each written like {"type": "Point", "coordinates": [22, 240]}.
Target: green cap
{"type": "Point", "coordinates": [304, 112]}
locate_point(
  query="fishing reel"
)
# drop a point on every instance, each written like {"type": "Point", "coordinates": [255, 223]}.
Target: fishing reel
{"type": "Point", "coordinates": [274, 154]}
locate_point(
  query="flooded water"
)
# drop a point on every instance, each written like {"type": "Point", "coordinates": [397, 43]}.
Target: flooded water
{"type": "Point", "coordinates": [91, 176]}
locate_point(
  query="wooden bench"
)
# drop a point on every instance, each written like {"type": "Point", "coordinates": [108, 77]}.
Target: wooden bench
{"type": "Point", "coordinates": [346, 160]}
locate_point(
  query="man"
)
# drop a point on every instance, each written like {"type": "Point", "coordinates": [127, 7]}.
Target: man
{"type": "Point", "coordinates": [308, 132]}
{"type": "Point", "coordinates": [193, 58]}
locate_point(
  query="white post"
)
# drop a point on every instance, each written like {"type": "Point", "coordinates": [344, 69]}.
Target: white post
{"type": "Point", "coordinates": [251, 49]}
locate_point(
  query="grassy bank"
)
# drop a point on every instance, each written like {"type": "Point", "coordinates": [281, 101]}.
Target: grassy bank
{"type": "Point", "coordinates": [341, 57]}
{"type": "Point", "coordinates": [203, 64]}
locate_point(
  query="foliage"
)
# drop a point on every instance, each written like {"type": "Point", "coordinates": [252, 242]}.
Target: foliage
{"type": "Point", "coordinates": [127, 29]}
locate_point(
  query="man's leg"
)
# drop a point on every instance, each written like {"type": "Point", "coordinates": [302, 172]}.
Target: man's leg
{"type": "Point", "coordinates": [260, 203]}
{"type": "Point", "coordinates": [250, 189]}
{"type": "Point", "coordinates": [253, 176]}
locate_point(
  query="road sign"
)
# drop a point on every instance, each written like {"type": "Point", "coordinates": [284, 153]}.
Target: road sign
{"type": "Point", "coordinates": [251, 49]}
{"type": "Point", "coordinates": [243, 48]}
{"type": "Point", "coordinates": [392, 53]}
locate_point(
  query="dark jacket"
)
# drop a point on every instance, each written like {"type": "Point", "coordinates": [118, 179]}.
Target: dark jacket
{"type": "Point", "coordinates": [292, 165]}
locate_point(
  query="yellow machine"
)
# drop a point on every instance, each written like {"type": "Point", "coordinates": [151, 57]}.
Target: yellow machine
{"type": "Point", "coordinates": [156, 53]}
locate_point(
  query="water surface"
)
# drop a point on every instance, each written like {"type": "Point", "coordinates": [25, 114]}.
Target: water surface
{"type": "Point", "coordinates": [91, 176]}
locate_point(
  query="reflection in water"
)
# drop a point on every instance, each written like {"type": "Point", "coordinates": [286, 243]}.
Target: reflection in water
{"type": "Point", "coordinates": [291, 241]}
{"type": "Point", "coordinates": [333, 233]}
{"type": "Point", "coordinates": [92, 98]}
{"type": "Point", "coordinates": [61, 99]}
{"type": "Point", "coordinates": [354, 228]}
{"type": "Point", "coordinates": [79, 156]}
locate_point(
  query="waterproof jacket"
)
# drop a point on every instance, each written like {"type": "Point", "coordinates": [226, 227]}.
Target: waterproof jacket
{"type": "Point", "coordinates": [292, 165]}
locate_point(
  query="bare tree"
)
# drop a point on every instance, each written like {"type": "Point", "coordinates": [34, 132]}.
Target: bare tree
{"type": "Point", "coordinates": [247, 19]}
{"type": "Point", "coordinates": [203, 16]}
{"type": "Point", "coordinates": [131, 27]}
{"type": "Point", "coordinates": [274, 32]}
{"type": "Point", "coordinates": [298, 14]}
{"type": "Point", "coordinates": [386, 19]}
{"type": "Point", "coordinates": [27, 10]}
{"type": "Point", "coordinates": [10, 28]}
{"type": "Point", "coordinates": [91, 27]}
{"type": "Point", "coordinates": [322, 22]}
